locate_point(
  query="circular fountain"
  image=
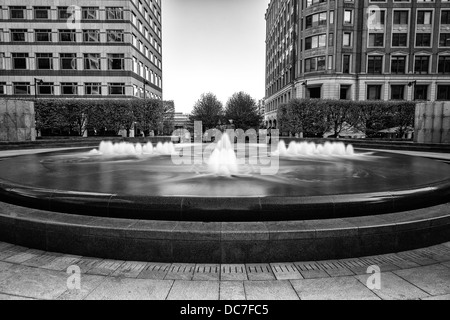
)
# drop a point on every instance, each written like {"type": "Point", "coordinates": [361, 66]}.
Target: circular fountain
{"type": "Point", "coordinates": [223, 202]}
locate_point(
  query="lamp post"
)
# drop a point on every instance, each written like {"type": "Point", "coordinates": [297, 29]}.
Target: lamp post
{"type": "Point", "coordinates": [413, 85]}
{"type": "Point", "coordinates": [36, 81]}
{"type": "Point", "coordinates": [305, 87]}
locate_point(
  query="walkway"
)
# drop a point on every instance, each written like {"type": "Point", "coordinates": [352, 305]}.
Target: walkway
{"type": "Point", "coordinates": [32, 274]}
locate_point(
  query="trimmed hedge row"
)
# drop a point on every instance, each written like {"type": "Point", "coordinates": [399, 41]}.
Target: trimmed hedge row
{"type": "Point", "coordinates": [76, 116]}
{"type": "Point", "coordinates": [316, 117]}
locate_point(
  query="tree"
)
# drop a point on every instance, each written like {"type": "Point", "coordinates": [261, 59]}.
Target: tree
{"type": "Point", "coordinates": [209, 110]}
{"type": "Point", "coordinates": [243, 110]}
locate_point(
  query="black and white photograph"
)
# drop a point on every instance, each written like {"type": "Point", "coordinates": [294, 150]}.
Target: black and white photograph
{"type": "Point", "coordinates": [226, 158]}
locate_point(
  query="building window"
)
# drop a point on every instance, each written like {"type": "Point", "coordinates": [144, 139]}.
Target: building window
{"type": "Point", "coordinates": [444, 65]}
{"type": "Point", "coordinates": [19, 61]}
{"type": "Point", "coordinates": [116, 88]}
{"type": "Point", "coordinates": [45, 88]}
{"type": "Point", "coordinates": [2, 60]}
{"type": "Point", "coordinates": [443, 93]}
{"type": "Point", "coordinates": [424, 17]}
{"type": "Point", "coordinates": [374, 92]}
{"type": "Point", "coordinates": [420, 92]}
{"type": "Point", "coordinates": [348, 17]}
{"type": "Point", "coordinates": [116, 61]}
{"type": "Point", "coordinates": [315, 64]}
{"type": "Point", "coordinates": [397, 92]}
{"type": "Point", "coordinates": [93, 88]}
{"type": "Point", "coordinates": [68, 61]}
{"type": "Point", "coordinates": [114, 35]}
{"type": "Point", "coordinates": [375, 65]}
{"type": "Point", "coordinates": [21, 88]}
{"type": "Point", "coordinates": [398, 65]}
{"type": "Point", "coordinates": [422, 64]}
{"type": "Point", "coordinates": [92, 61]}
{"type": "Point", "coordinates": [376, 40]}
{"type": "Point", "coordinates": [42, 13]}
{"type": "Point", "coordinates": [399, 39]}
{"type": "Point", "coordinates": [346, 64]}
{"type": "Point", "coordinates": [43, 35]}
{"type": "Point", "coordinates": [69, 88]}
{"type": "Point", "coordinates": [114, 13]}
{"type": "Point", "coordinates": [17, 12]}
{"type": "Point", "coordinates": [63, 13]}
{"type": "Point", "coordinates": [18, 35]}
{"type": "Point", "coordinates": [67, 35]}
{"type": "Point", "coordinates": [91, 35]}
{"type": "Point", "coordinates": [444, 40]}
{"type": "Point", "coordinates": [2, 88]}
{"type": "Point", "coordinates": [44, 61]}
{"type": "Point", "coordinates": [89, 13]}
{"type": "Point", "coordinates": [423, 39]}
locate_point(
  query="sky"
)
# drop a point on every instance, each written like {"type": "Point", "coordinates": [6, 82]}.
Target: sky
{"type": "Point", "coordinates": [213, 46]}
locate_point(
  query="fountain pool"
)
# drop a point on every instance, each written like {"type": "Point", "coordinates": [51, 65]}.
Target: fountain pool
{"type": "Point", "coordinates": [225, 191]}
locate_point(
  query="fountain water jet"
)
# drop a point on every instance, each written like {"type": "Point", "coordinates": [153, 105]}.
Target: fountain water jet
{"type": "Point", "coordinates": [107, 148]}
{"type": "Point", "coordinates": [308, 149]}
{"type": "Point", "coordinates": [223, 161]}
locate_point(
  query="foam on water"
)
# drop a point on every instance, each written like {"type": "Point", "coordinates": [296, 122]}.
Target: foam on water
{"type": "Point", "coordinates": [310, 149]}
{"type": "Point", "coordinates": [108, 148]}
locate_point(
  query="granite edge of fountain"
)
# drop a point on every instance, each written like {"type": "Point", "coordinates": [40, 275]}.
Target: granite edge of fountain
{"type": "Point", "coordinates": [209, 242]}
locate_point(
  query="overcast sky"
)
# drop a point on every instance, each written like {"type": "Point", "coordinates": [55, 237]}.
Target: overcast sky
{"type": "Point", "coordinates": [213, 46]}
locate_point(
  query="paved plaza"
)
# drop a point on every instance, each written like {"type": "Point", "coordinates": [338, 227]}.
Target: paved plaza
{"type": "Point", "coordinates": [32, 274]}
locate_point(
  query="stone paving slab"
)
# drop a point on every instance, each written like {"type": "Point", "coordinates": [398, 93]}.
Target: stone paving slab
{"type": "Point", "coordinates": [129, 269]}
{"type": "Point", "coordinates": [270, 290]}
{"type": "Point", "coordinates": [155, 271]}
{"type": "Point", "coordinates": [232, 290]}
{"type": "Point", "coordinates": [257, 272]}
{"type": "Point", "coordinates": [86, 264]}
{"type": "Point", "coordinates": [11, 251]}
{"type": "Point", "coordinates": [118, 288]}
{"type": "Point", "coordinates": [180, 271]}
{"type": "Point", "coordinates": [357, 266]}
{"type": "Point", "coordinates": [337, 288]}
{"type": "Point", "coordinates": [394, 288]}
{"type": "Point", "coordinates": [417, 257]}
{"type": "Point", "coordinates": [88, 283]}
{"type": "Point", "coordinates": [229, 272]}
{"type": "Point", "coordinates": [399, 262]}
{"type": "Point", "coordinates": [433, 279]}
{"type": "Point", "coordinates": [62, 263]}
{"type": "Point", "coordinates": [42, 260]}
{"type": "Point", "coordinates": [105, 267]}
{"type": "Point", "coordinates": [437, 253]}
{"type": "Point", "coordinates": [285, 271]}
{"type": "Point", "coordinates": [207, 272]}
{"type": "Point", "coordinates": [334, 269]}
{"type": "Point", "coordinates": [24, 256]}
{"type": "Point", "coordinates": [9, 269]}
{"type": "Point", "coordinates": [35, 283]}
{"type": "Point", "coordinates": [443, 297]}
{"type": "Point", "coordinates": [27, 273]}
{"type": "Point", "coordinates": [311, 270]}
{"type": "Point", "coordinates": [194, 290]}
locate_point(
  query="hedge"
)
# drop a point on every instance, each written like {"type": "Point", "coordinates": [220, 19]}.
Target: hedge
{"type": "Point", "coordinates": [76, 116]}
{"type": "Point", "coordinates": [315, 117]}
